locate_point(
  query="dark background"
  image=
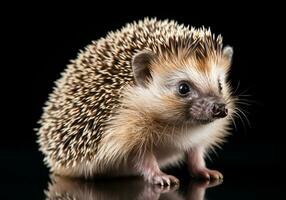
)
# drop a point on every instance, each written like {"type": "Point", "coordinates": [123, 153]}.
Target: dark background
{"type": "Point", "coordinates": [39, 41]}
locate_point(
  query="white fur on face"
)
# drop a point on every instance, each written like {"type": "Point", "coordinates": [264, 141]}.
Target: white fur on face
{"type": "Point", "coordinates": [205, 81]}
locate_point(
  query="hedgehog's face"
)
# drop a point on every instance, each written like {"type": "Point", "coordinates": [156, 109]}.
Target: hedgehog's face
{"type": "Point", "coordinates": [184, 91]}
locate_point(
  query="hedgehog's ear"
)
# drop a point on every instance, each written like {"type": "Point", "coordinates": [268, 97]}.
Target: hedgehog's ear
{"type": "Point", "coordinates": [227, 52]}
{"type": "Point", "coordinates": [141, 67]}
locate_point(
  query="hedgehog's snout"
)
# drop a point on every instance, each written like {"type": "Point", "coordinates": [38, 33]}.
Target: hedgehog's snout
{"type": "Point", "coordinates": [208, 109]}
{"type": "Point", "coordinates": [219, 110]}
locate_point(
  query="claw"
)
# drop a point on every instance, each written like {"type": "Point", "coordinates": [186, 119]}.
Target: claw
{"type": "Point", "coordinates": [163, 179]}
{"type": "Point", "coordinates": [207, 174]}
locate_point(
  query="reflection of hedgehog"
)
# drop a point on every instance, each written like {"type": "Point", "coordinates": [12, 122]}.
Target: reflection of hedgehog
{"type": "Point", "coordinates": [65, 188]}
{"type": "Point", "coordinates": [139, 99]}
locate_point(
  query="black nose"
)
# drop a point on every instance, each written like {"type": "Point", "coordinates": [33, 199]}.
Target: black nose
{"type": "Point", "coordinates": [219, 110]}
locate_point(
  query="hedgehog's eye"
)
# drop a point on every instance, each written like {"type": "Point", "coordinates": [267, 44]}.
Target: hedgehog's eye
{"type": "Point", "coordinates": [184, 89]}
{"type": "Point", "coordinates": [219, 86]}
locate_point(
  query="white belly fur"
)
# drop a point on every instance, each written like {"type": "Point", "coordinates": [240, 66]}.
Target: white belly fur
{"type": "Point", "coordinates": [172, 151]}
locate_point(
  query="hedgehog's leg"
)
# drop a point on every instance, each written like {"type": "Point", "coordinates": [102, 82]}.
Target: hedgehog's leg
{"type": "Point", "coordinates": [147, 165]}
{"type": "Point", "coordinates": [197, 166]}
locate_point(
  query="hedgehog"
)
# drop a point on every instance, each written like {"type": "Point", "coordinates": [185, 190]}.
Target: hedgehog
{"type": "Point", "coordinates": [151, 95]}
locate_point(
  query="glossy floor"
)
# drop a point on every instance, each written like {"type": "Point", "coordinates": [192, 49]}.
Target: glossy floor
{"type": "Point", "coordinates": [135, 188]}
{"type": "Point", "coordinates": [123, 189]}
{"type": "Point", "coordinates": [23, 176]}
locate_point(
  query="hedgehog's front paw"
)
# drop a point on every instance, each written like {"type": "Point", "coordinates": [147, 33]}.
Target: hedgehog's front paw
{"type": "Point", "coordinates": [162, 179]}
{"type": "Point", "coordinates": [206, 173]}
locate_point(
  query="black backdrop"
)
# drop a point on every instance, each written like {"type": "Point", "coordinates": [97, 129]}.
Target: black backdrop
{"type": "Point", "coordinates": [41, 40]}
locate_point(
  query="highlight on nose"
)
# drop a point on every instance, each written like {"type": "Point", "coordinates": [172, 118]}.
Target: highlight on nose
{"type": "Point", "coordinates": [219, 110]}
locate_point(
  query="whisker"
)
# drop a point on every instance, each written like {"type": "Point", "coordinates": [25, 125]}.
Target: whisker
{"type": "Point", "coordinates": [233, 121]}
{"type": "Point", "coordinates": [241, 119]}
{"type": "Point", "coordinates": [241, 111]}
{"type": "Point", "coordinates": [253, 102]}
{"type": "Point", "coordinates": [250, 102]}
{"type": "Point", "coordinates": [238, 84]}
{"type": "Point", "coordinates": [243, 103]}
{"type": "Point", "coordinates": [246, 90]}
{"type": "Point", "coordinates": [244, 95]}
{"type": "Point", "coordinates": [244, 110]}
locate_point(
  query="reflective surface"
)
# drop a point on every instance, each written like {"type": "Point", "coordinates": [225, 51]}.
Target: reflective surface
{"type": "Point", "coordinates": [127, 188]}
{"type": "Point", "coordinates": [23, 176]}
{"type": "Point", "coordinates": [136, 188]}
